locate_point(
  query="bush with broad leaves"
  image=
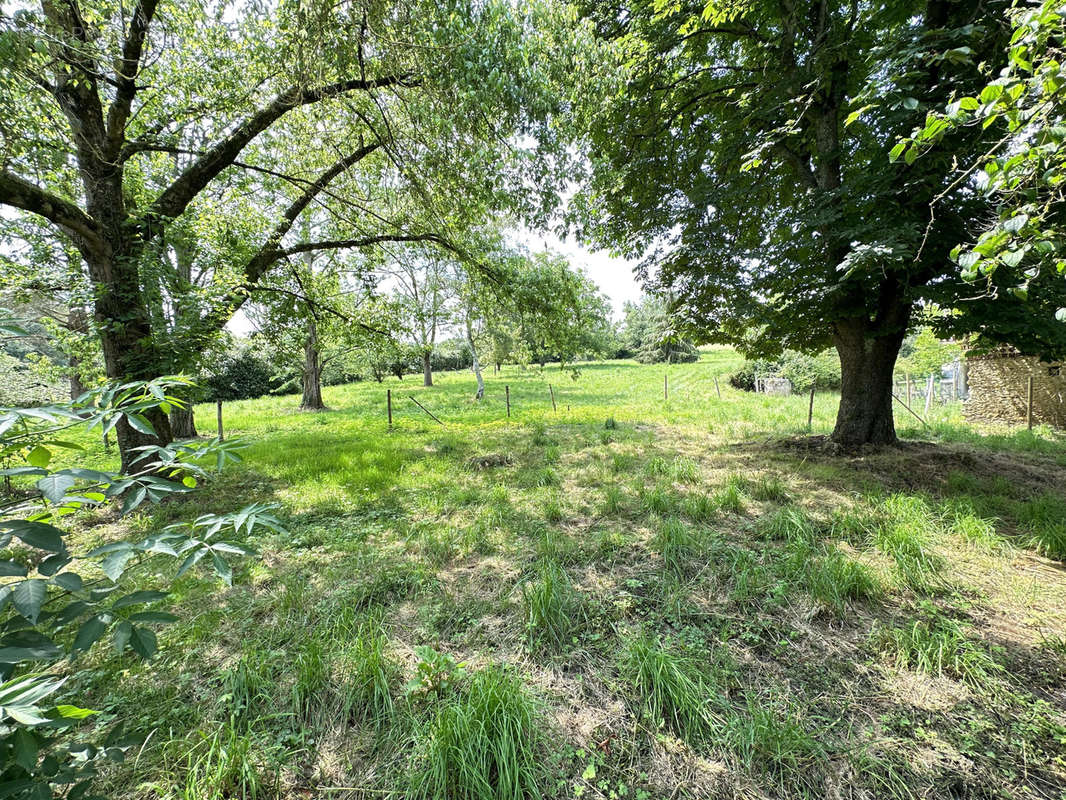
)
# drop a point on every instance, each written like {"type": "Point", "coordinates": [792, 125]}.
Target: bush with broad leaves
{"type": "Point", "coordinates": [56, 603]}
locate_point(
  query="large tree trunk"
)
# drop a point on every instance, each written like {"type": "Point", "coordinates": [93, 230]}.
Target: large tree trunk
{"type": "Point", "coordinates": [127, 343]}
{"type": "Point", "coordinates": [312, 372]}
{"type": "Point", "coordinates": [866, 364]}
{"type": "Point", "coordinates": [182, 424]}
{"type": "Point", "coordinates": [427, 369]}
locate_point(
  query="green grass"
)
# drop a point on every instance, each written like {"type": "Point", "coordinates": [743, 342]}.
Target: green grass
{"type": "Point", "coordinates": [670, 688]}
{"type": "Point", "coordinates": [937, 645]}
{"type": "Point", "coordinates": [907, 534]}
{"type": "Point", "coordinates": [550, 604]}
{"type": "Point", "coordinates": [483, 742]}
{"type": "Point", "coordinates": [676, 602]}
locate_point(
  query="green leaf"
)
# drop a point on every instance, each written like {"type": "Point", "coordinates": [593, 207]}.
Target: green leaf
{"type": "Point", "coordinates": [222, 568]}
{"type": "Point", "coordinates": [143, 642]}
{"type": "Point", "coordinates": [12, 568]}
{"type": "Point", "coordinates": [51, 565]}
{"type": "Point", "coordinates": [910, 103]}
{"type": "Point", "coordinates": [71, 581]}
{"type": "Point", "coordinates": [88, 634]}
{"type": "Point", "coordinates": [28, 597]}
{"type": "Point", "coordinates": [139, 423]}
{"type": "Point", "coordinates": [73, 712]}
{"type": "Point", "coordinates": [114, 564]}
{"type": "Point", "coordinates": [1060, 315]}
{"type": "Point", "coordinates": [894, 153]}
{"type": "Point", "coordinates": [162, 617]}
{"type": "Point", "coordinates": [136, 598]}
{"type": "Point", "coordinates": [134, 497]}
{"type": "Point", "coordinates": [1016, 223]}
{"type": "Point", "coordinates": [36, 534]}
{"type": "Point", "coordinates": [25, 748]}
{"type": "Point", "coordinates": [27, 645]}
{"type": "Point", "coordinates": [123, 632]}
{"type": "Point", "coordinates": [39, 456]}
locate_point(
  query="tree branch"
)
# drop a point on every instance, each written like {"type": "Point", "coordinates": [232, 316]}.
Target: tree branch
{"type": "Point", "coordinates": [20, 193]}
{"type": "Point", "coordinates": [197, 175]}
{"type": "Point", "coordinates": [341, 244]}
{"type": "Point", "coordinates": [126, 70]}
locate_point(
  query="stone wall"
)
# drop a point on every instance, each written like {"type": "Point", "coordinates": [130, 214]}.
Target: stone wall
{"type": "Point", "coordinates": [998, 386]}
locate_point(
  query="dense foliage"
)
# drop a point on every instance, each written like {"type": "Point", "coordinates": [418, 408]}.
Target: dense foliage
{"type": "Point", "coordinates": [745, 154]}
{"type": "Point", "coordinates": [65, 598]}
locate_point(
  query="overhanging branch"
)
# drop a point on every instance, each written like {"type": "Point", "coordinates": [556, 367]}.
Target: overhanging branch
{"type": "Point", "coordinates": [176, 197]}
{"type": "Point", "coordinates": [22, 194]}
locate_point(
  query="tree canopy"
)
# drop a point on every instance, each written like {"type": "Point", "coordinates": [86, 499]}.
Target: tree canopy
{"type": "Point", "coordinates": [745, 155]}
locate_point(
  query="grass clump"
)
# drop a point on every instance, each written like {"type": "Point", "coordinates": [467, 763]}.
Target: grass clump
{"type": "Point", "coordinates": [768, 739]}
{"type": "Point", "coordinates": [977, 531]}
{"type": "Point", "coordinates": [699, 508]}
{"type": "Point", "coordinates": [769, 488]}
{"type": "Point", "coordinates": [483, 742]}
{"type": "Point", "coordinates": [676, 543]}
{"type": "Point", "coordinates": [553, 508]}
{"type": "Point", "coordinates": [221, 766]}
{"type": "Point", "coordinates": [788, 524]}
{"type": "Point", "coordinates": [613, 500]}
{"type": "Point", "coordinates": [1049, 540]}
{"type": "Point", "coordinates": [684, 470]}
{"type": "Point", "coordinates": [829, 576]}
{"type": "Point", "coordinates": [370, 674]}
{"type": "Point", "coordinates": [311, 678]}
{"type": "Point", "coordinates": [672, 689]}
{"type": "Point", "coordinates": [550, 604]}
{"type": "Point", "coordinates": [731, 498]}
{"type": "Point", "coordinates": [937, 645]}
{"type": "Point", "coordinates": [906, 534]}
{"type": "Point", "coordinates": [657, 500]}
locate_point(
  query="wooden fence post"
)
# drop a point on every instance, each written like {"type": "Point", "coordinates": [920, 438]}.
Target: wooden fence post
{"type": "Point", "coordinates": [1029, 402]}
{"type": "Point", "coordinates": [717, 389]}
{"type": "Point", "coordinates": [810, 410]}
{"type": "Point", "coordinates": [218, 410]}
{"type": "Point", "coordinates": [928, 394]}
{"type": "Point", "coordinates": [388, 404]}
{"type": "Point", "coordinates": [552, 393]}
{"type": "Point", "coordinates": [909, 400]}
{"type": "Point", "coordinates": [507, 392]}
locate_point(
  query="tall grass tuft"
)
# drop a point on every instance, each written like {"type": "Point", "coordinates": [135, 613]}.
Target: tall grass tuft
{"type": "Point", "coordinates": [829, 576]}
{"type": "Point", "coordinates": [769, 488]}
{"type": "Point", "coordinates": [551, 605]}
{"type": "Point", "coordinates": [222, 767]}
{"type": "Point", "coordinates": [484, 743]}
{"type": "Point", "coordinates": [937, 645]}
{"type": "Point", "coordinates": [370, 675]}
{"type": "Point", "coordinates": [672, 689]}
{"type": "Point", "coordinates": [906, 534]}
{"type": "Point", "coordinates": [676, 543]}
{"type": "Point", "coordinates": [788, 524]}
{"type": "Point", "coordinates": [770, 739]}
{"type": "Point", "coordinates": [311, 677]}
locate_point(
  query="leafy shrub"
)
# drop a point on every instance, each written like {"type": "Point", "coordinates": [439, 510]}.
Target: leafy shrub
{"type": "Point", "coordinates": [52, 613]}
{"type": "Point", "coordinates": [822, 371]}
{"type": "Point", "coordinates": [242, 375]}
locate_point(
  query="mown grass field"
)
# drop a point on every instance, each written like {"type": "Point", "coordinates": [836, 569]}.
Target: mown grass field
{"type": "Point", "coordinates": [629, 597]}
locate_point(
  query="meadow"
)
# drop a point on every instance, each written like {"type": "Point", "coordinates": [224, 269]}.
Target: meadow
{"type": "Point", "coordinates": [629, 596]}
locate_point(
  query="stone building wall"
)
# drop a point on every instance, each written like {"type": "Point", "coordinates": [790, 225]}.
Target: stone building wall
{"type": "Point", "coordinates": [998, 385]}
